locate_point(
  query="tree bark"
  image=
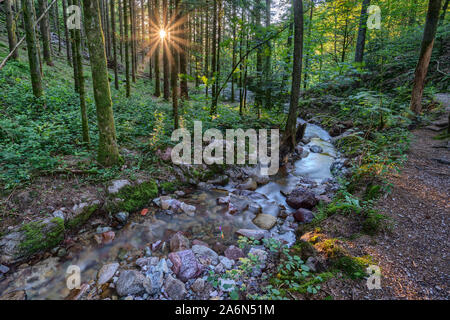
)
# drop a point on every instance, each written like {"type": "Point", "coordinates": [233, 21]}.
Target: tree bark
{"type": "Point", "coordinates": [11, 27]}
{"type": "Point", "coordinates": [361, 41]}
{"type": "Point", "coordinates": [126, 44]}
{"type": "Point", "coordinates": [157, 72]}
{"type": "Point", "coordinates": [108, 152]}
{"type": "Point", "coordinates": [114, 45]}
{"type": "Point", "coordinates": [45, 33]}
{"type": "Point", "coordinates": [165, 49]}
{"type": "Point", "coordinates": [174, 69]}
{"type": "Point", "coordinates": [183, 61]}
{"type": "Point", "coordinates": [33, 54]}
{"type": "Point", "coordinates": [289, 138]}
{"type": "Point", "coordinates": [66, 33]}
{"type": "Point", "coordinates": [434, 7]}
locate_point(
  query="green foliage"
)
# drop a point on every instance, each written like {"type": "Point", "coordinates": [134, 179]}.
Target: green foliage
{"type": "Point", "coordinates": [136, 197]}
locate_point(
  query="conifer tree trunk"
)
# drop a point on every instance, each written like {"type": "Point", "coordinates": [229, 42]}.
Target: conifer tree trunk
{"type": "Point", "coordinates": [233, 57]}
{"type": "Point", "coordinates": [165, 49]}
{"type": "Point", "coordinates": [157, 23]}
{"type": "Point", "coordinates": [174, 68]}
{"type": "Point", "coordinates": [434, 7]}
{"type": "Point", "coordinates": [207, 46]}
{"type": "Point", "coordinates": [45, 33]}
{"type": "Point", "coordinates": [268, 60]}
{"type": "Point", "coordinates": [360, 42]}
{"type": "Point", "coordinates": [305, 80]}
{"type": "Point", "coordinates": [126, 44]}
{"type": "Point", "coordinates": [183, 61]}
{"type": "Point", "coordinates": [114, 45]}
{"type": "Point", "coordinates": [259, 58]}
{"type": "Point", "coordinates": [290, 132]}
{"type": "Point", "coordinates": [33, 54]}
{"type": "Point", "coordinates": [66, 33]}
{"type": "Point", "coordinates": [120, 11]}
{"type": "Point", "coordinates": [213, 58]}
{"type": "Point", "coordinates": [11, 28]}
{"type": "Point", "coordinates": [108, 152]}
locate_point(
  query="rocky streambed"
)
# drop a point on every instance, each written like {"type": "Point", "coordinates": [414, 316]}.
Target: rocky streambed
{"type": "Point", "coordinates": [168, 250]}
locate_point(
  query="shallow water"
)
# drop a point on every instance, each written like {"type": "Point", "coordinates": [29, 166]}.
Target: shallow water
{"type": "Point", "coordinates": [47, 279]}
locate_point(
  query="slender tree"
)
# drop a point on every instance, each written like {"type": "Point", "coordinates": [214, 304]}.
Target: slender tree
{"type": "Point", "coordinates": [174, 66]}
{"type": "Point", "coordinates": [114, 45]}
{"type": "Point", "coordinates": [157, 23]}
{"type": "Point", "coordinates": [108, 151]}
{"type": "Point", "coordinates": [126, 44]}
{"type": "Point", "coordinates": [360, 42]}
{"type": "Point", "coordinates": [45, 33]}
{"type": "Point", "coordinates": [11, 27]}
{"type": "Point", "coordinates": [165, 53]}
{"type": "Point", "coordinates": [289, 138]}
{"type": "Point", "coordinates": [66, 33]}
{"type": "Point", "coordinates": [182, 53]}
{"type": "Point", "coordinates": [33, 54]}
{"type": "Point", "coordinates": [434, 7]}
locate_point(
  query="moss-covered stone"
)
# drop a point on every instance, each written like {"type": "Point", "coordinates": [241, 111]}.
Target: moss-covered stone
{"type": "Point", "coordinates": [79, 219]}
{"type": "Point", "coordinates": [41, 235]}
{"type": "Point", "coordinates": [136, 197]}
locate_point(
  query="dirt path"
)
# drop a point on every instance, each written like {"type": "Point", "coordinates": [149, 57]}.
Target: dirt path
{"type": "Point", "coordinates": [414, 257]}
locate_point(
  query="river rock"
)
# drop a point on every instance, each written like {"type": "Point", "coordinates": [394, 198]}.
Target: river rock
{"type": "Point", "coordinates": [14, 295]}
{"type": "Point", "coordinates": [147, 262]}
{"type": "Point", "coordinates": [265, 221]}
{"type": "Point", "coordinates": [301, 198]}
{"type": "Point", "coordinates": [3, 269]}
{"type": "Point", "coordinates": [188, 209]}
{"type": "Point", "coordinates": [122, 217]}
{"type": "Point", "coordinates": [106, 273]}
{"type": "Point", "coordinates": [251, 233]}
{"type": "Point", "coordinates": [185, 265]}
{"type": "Point", "coordinates": [316, 149]}
{"type": "Point", "coordinates": [227, 285]}
{"type": "Point", "coordinates": [131, 282]}
{"type": "Point", "coordinates": [234, 253]}
{"type": "Point", "coordinates": [174, 288]}
{"type": "Point", "coordinates": [250, 184]}
{"type": "Point", "coordinates": [117, 185]}
{"type": "Point", "coordinates": [303, 215]}
{"type": "Point", "coordinates": [179, 242]}
{"type": "Point", "coordinates": [205, 255]}
{"type": "Point", "coordinates": [198, 285]}
{"type": "Point", "coordinates": [156, 277]}
{"type": "Point", "coordinates": [261, 254]}
{"type": "Point", "coordinates": [200, 242]}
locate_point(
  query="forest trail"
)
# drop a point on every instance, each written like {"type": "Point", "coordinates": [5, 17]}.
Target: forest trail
{"type": "Point", "coordinates": [414, 255]}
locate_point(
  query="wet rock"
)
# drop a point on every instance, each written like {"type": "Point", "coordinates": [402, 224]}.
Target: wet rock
{"type": "Point", "coordinates": [316, 149]}
{"type": "Point", "coordinates": [185, 265]}
{"type": "Point", "coordinates": [234, 253]}
{"type": "Point", "coordinates": [174, 288]}
{"type": "Point", "coordinates": [108, 237]}
{"type": "Point", "coordinates": [131, 282]}
{"type": "Point", "coordinates": [220, 180]}
{"type": "Point", "coordinates": [205, 255]}
{"type": "Point", "coordinates": [14, 295]}
{"type": "Point", "coordinates": [156, 277]}
{"type": "Point", "coordinates": [301, 198]}
{"type": "Point", "coordinates": [179, 242]}
{"type": "Point", "coordinates": [147, 262]}
{"type": "Point", "coordinates": [106, 273]}
{"type": "Point", "coordinates": [117, 185]}
{"type": "Point", "coordinates": [250, 184]}
{"type": "Point", "coordinates": [251, 233]}
{"type": "Point", "coordinates": [198, 285]}
{"type": "Point", "coordinates": [303, 215]}
{"type": "Point", "coordinates": [122, 217]}
{"type": "Point", "coordinates": [265, 221]}
{"type": "Point", "coordinates": [188, 209]}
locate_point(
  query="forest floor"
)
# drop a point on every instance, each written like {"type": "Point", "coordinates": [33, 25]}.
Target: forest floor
{"type": "Point", "coordinates": [414, 254]}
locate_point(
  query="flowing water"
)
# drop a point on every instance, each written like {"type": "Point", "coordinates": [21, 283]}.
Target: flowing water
{"type": "Point", "coordinates": [211, 224]}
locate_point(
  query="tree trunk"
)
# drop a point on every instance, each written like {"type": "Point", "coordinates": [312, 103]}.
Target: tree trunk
{"type": "Point", "coordinates": [361, 41]}
{"type": "Point", "coordinates": [66, 33]}
{"type": "Point", "coordinates": [183, 61]}
{"type": "Point", "coordinates": [259, 57]}
{"type": "Point", "coordinates": [127, 47]}
{"type": "Point", "coordinates": [165, 53]}
{"type": "Point", "coordinates": [108, 152]}
{"type": "Point", "coordinates": [114, 46]}
{"type": "Point", "coordinates": [289, 139]}
{"type": "Point", "coordinates": [311, 10]}
{"type": "Point", "coordinates": [33, 54]}
{"type": "Point", "coordinates": [444, 10]}
{"type": "Point", "coordinates": [434, 7]}
{"type": "Point", "coordinates": [174, 68]}
{"type": "Point", "coordinates": [45, 33]}
{"type": "Point", "coordinates": [214, 56]}
{"type": "Point", "coordinates": [268, 61]}
{"type": "Point", "coordinates": [11, 27]}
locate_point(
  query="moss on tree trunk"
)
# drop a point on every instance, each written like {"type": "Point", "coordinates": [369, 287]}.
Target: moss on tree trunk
{"type": "Point", "coordinates": [108, 152]}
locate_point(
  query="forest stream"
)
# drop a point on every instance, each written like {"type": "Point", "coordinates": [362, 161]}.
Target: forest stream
{"type": "Point", "coordinates": [211, 223]}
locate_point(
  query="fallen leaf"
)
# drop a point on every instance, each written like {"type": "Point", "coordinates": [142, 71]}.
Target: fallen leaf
{"type": "Point", "coordinates": [144, 212]}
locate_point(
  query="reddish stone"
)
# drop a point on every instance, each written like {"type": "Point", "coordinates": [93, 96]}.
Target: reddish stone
{"type": "Point", "coordinates": [301, 198]}
{"type": "Point", "coordinates": [303, 215]}
{"type": "Point", "coordinates": [108, 237]}
{"type": "Point", "coordinates": [234, 253]}
{"type": "Point", "coordinates": [185, 265]}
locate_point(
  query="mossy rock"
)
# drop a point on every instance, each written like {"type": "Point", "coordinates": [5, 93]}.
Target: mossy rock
{"type": "Point", "coordinates": [136, 197]}
{"type": "Point", "coordinates": [80, 218]}
{"type": "Point", "coordinates": [30, 238]}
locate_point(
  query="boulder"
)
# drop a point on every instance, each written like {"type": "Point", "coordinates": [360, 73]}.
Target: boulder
{"type": "Point", "coordinates": [185, 265]}
{"type": "Point", "coordinates": [205, 255]}
{"type": "Point", "coordinates": [198, 285]}
{"type": "Point", "coordinates": [303, 215]}
{"type": "Point", "coordinates": [179, 242]}
{"type": "Point", "coordinates": [131, 282]}
{"type": "Point", "coordinates": [251, 233]}
{"type": "Point", "coordinates": [265, 221]}
{"type": "Point", "coordinates": [174, 288]}
{"type": "Point", "coordinates": [316, 149]}
{"type": "Point", "coordinates": [106, 273]}
{"type": "Point", "coordinates": [226, 262]}
{"type": "Point", "coordinates": [301, 198]}
{"type": "Point", "coordinates": [250, 184]}
{"type": "Point", "coordinates": [117, 185]}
